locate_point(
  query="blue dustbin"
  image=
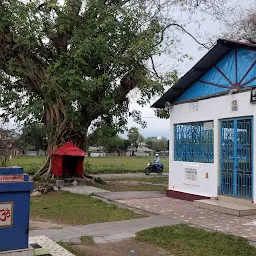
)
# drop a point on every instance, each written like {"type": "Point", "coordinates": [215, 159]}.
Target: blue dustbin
{"type": "Point", "coordinates": [15, 190]}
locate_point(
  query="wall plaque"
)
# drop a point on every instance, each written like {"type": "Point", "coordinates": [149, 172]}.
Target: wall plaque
{"type": "Point", "coordinates": [190, 174]}
{"type": "Point", "coordinates": [234, 105]}
{"type": "Point", "coordinates": [6, 214]}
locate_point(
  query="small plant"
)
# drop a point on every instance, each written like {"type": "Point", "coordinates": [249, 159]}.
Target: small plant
{"type": "Point", "coordinates": [69, 247]}
{"type": "Point", "coordinates": [87, 240]}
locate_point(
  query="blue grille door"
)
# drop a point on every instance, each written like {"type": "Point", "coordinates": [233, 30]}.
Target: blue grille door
{"type": "Point", "coordinates": [236, 157]}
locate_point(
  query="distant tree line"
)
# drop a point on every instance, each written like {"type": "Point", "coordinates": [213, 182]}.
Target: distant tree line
{"type": "Point", "coordinates": [34, 137]}
{"type": "Point", "coordinates": [112, 142]}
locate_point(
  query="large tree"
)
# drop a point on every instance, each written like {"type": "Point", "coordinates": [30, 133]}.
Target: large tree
{"type": "Point", "coordinates": [134, 137]}
{"type": "Point", "coordinates": [150, 141]}
{"type": "Point", "coordinates": [160, 145]}
{"type": "Point", "coordinates": [106, 136]}
{"type": "Point", "coordinates": [73, 63]}
{"type": "Point", "coordinates": [156, 144]}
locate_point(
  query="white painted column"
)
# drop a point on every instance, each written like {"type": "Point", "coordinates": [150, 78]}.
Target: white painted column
{"type": "Point", "coordinates": [254, 160]}
{"type": "Point", "coordinates": [171, 149]}
{"type": "Point", "coordinates": [216, 154]}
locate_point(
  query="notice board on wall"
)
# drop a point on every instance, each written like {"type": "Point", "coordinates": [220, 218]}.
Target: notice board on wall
{"type": "Point", "coordinates": [191, 176]}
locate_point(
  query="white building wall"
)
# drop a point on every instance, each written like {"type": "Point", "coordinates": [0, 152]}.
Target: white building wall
{"type": "Point", "coordinates": [204, 110]}
{"type": "Point", "coordinates": [35, 153]}
{"type": "Point", "coordinates": [97, 154]}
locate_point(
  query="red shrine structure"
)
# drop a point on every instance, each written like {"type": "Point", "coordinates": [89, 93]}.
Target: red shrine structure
{"type": "Point", "coordinates": [67, 160]}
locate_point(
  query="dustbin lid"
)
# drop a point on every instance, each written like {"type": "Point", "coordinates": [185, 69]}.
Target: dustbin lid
{"type": "Point", "coordinates": [11, 170]}
{"type": "Point", "coordinates": [13, 179]}
{"type": "Point", "coordinates": [16, 186]}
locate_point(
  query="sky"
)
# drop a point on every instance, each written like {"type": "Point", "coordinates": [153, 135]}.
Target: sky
{"type": "Point", "coordinates": [160, 127]}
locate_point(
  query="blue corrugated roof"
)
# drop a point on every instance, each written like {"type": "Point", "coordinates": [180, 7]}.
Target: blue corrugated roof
{"type": "Point", "coordinates": [222, 48]}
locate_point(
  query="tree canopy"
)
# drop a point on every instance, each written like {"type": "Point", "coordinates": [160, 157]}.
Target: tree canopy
{"type": "Point", "coordinates": [244, 27]}
{"type": "Point", "coordinates": [135, 137]}
{"type": "Point", "coordinates": [156, 144]}
{"type": "Point", "coordinates": [76, 63]}
{"type": "Point", "coordinates": [105, 136]}
{"type": "Point", "coordinates": [33, 136]}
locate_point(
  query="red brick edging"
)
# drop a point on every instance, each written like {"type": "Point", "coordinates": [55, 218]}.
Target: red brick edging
{"type": "Point", "coordinates": [184, 196]}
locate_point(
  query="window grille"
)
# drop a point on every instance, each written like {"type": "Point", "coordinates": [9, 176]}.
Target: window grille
{"type": "Point", "coordinates": [193, 142]}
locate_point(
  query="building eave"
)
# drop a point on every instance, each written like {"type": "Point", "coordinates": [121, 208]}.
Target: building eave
{"type": "Point", "coordinates": [222, 48]}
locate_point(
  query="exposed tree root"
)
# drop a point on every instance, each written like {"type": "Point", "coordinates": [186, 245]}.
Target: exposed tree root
{"type": "Point", "coordinates": [45, 174]}
{"type": "Point", "coordinates": [93, 180]}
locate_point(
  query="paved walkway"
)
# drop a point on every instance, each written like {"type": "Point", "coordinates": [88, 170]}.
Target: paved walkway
{"type": "Point", "coordinates": [113, 196]}
{"type": "Point", "coordinates": [186, 212]}
{"type": "Point", "coordinates": [105, 232]}
{"type": "Point", "coordinates": [130, 175]}
{"type": "Point", "coordinates": [83, 190]}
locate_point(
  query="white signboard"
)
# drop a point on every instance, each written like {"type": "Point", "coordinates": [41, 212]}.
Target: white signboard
{"type": "Point", "coordinates": [6, 214]}
{"type": "Point", "coordinates": [208, 126]}
{"type": "Point", "coordinates": [190, 174]}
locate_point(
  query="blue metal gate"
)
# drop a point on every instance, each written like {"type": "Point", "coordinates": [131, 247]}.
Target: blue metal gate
{"type": "Point", "coordinates": [236, 157]}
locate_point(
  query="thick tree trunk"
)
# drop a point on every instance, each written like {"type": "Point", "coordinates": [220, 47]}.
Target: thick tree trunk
{"type": "Point", "coordinates": [82, 141]}
{"type": "Point", "coordinates": [60, 130]}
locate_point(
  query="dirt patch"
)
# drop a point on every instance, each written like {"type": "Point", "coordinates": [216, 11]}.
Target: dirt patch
{"type": "Point", "coordinates": [36, 224]}
{"type": "Point", "coordinates": [123, 248]}
{"type": "Point", "coordinates": [128, 182]}
{"type": "Point", "coordinates": [135, 183]}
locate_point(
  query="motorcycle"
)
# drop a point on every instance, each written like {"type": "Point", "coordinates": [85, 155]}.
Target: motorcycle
{"type": "Point", "coordinates": [152, 167]}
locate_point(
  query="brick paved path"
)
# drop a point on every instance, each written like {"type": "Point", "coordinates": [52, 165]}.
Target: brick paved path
{"type": "Point", "coordinates": [186, 212]}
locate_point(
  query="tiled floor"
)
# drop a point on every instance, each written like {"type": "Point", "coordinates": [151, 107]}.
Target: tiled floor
{"type": "Point", "coordinates": [186, 212]}
{"type": "Point", "coordinates": [44, 246]}
{"type": "Point", "coordinates": [39, 251]}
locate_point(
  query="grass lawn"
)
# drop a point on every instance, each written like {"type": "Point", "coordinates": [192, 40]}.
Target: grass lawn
{"type": "Point", "coordinates": [72, 209]}
{"type": "Point", "coordinates": [110, 164]}
{"type": "Point", "coordinates": [120, 164]}
{"type": "Point", "coordinates": [182, 240]}
{"type": "Point", "coordinates": [30, 164]}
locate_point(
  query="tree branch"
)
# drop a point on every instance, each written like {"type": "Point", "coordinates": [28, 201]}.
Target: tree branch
{"type": "Point", "coordinates": [153, 66]}
{"type": "Point", "coordinates": [184, 30]}
{"type": "Point", "coordinates": [127, 83]}
{"type": "Point", "coordinates": [61, 37]}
